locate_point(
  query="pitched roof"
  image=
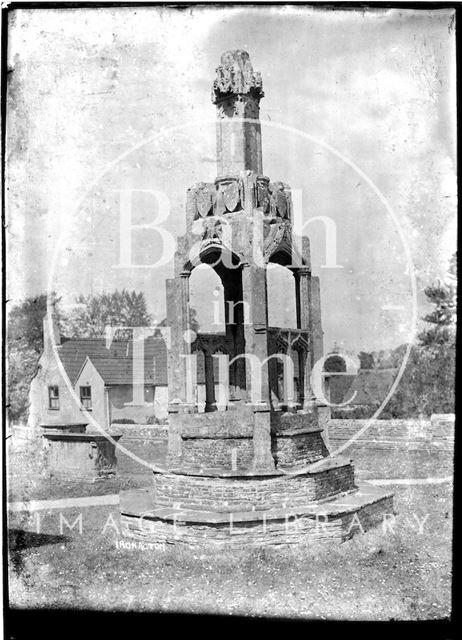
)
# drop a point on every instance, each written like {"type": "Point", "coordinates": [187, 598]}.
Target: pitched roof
{"type": "Point", "coordinates": [73, 352]}
{"type": "Point", "coordinates": [120, 370]}
{"type": "Point", "coordinates": [115, 364]}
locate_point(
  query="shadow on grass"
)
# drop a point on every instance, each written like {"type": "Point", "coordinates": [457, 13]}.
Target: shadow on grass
{"type": "Point", "coordinates": [20, 540]}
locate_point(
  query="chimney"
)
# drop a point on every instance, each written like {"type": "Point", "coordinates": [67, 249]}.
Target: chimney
{"type": "Point", "coordinates": [237, 91]}
{"type": "Point", "coordinates": [51, 334]}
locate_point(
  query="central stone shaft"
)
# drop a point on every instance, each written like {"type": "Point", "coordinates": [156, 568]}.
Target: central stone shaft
{"type": "Point", "coordinates": [237, 91]}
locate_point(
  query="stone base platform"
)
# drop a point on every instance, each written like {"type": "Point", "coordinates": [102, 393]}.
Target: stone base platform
{"type": "Point", "coordinates": [182, 523]}
{"type": "Point", "coordinates": [231, 482]}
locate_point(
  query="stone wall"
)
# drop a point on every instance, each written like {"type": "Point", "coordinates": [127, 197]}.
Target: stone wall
{"type": "Point", "coordinates": [238, 452]}
{"type": "Point", "coordinates": [226, 440]}
{"type": "Point", "coordinates": [390, 434]}
{"type": "Point", "coordinates": [213, 440]}
{"type": "Point", "coordinates": [225, 453]}
{"type": "Point", "coordinates": [79, 456]}
{"type": "Point", "coordinates": [442, 425]}
{"type": "Point", "coordinates": [234, 494]}
{"type": "Point", "coordinates": [146, 442]}
{"type": "Point", "coordinates": [299, 448]}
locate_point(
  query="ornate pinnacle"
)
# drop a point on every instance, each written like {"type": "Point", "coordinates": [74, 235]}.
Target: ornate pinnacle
{"type": "Point", "coordinates": [235, 75]}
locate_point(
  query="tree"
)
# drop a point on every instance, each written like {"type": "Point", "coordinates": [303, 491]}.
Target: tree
{"type": "Point", "coordinates": [25, 321]}
{"type": "Point", "coordinates": [24, 345]}
{"type": "Point", "coordinates": [438, 343]}
{"type": "Point", "coordinates": [443, 317]}
{"type": "Point", "coordinates": [22, 364]}
{"type": "Point", "coordinates": [428, 382]}
{"type": "Point", "coordinates": [94, 312]}
{"type": "Point", "coordinates": [366, 360]}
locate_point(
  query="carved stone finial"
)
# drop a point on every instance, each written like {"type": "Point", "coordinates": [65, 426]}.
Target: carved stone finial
{"type": "Point", "coordinates": [235, 75]}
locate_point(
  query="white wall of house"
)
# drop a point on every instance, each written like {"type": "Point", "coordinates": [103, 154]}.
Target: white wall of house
{"type": "Point", "coordinates": [48, 374]}
{"type": "Point", "coordinates": [89, 377]}
{"type": "Point", "coordinates": [120, 407]}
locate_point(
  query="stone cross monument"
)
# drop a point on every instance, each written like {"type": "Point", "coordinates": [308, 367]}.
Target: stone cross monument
{"type": "Point", "coordinates": [256, 457]}
{"type": "Point", "coordinates": [239, 224]}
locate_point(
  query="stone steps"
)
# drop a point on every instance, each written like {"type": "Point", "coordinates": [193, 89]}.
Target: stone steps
{"type": "Point", "coordinates": [140, 501]}
{"type": "Point", "coordinates": [324, 464]}
{"type": "Point", "coordinates": [337, 518]}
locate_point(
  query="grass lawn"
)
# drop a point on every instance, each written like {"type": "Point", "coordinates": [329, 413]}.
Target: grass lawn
{"type": "Point", "coordinates": [401, 574]}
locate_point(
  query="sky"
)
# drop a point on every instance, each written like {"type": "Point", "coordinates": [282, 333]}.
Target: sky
{"type": "Point", "coordinates": [358, 115]}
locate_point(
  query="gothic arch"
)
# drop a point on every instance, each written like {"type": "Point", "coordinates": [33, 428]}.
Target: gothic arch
{"type": "Point", "coordinates": [215, 255]}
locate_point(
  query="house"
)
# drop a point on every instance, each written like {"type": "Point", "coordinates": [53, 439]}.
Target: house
{"type": "Point", "coordinates": [80, 374]}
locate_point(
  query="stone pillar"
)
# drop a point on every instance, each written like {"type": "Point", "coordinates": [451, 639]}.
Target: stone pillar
{"type": "Point", "coordinates": [238, 136]}
{"type": "Point", "coordinates": [254, 290]}
{"type": "Point", "coordinates": [316, 331]}
{"type": "Point", "coordinates": [315, 322]}
{"type": "Point", "coordinates": [303, 301]}
{"type": "Point", "coordinates": [210, 402]}
{"type": "Point", "coordinates": [304, 278]}
{"type": "Point", "coordinates": [234, 320]}
{"type": "Point", "coordinates": [178, 321]}
{"type": "Point", "coordinates": [324, 413]}
{"type": "Point", "coordinates": [237, 91]}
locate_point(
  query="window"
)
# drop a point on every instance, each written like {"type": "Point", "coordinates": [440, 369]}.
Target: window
{"type": "Point", "coordinates": [85, 397]}
{"type": "Point", "coordinates": [53, 398]}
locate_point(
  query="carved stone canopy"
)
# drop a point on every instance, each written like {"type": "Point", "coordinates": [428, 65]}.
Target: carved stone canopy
{"type": "Point", "coordinates": [229, 194]}
{"type": "Point", "coordinates": [235, 76]}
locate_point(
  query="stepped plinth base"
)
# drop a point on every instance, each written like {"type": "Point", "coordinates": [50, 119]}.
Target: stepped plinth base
{"type": "Point", "coordinates": [212, 493]}
{"type": "Point", "coordinates": [261, 523]}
